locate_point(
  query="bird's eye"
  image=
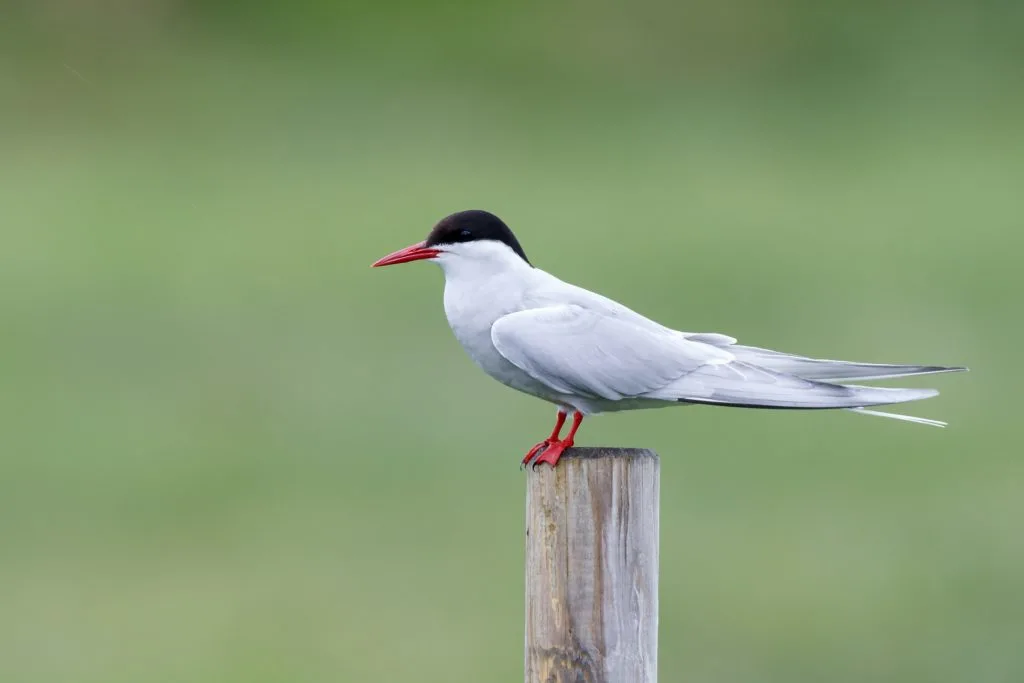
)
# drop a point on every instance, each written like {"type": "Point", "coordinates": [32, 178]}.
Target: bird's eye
{"type": "Point", "coordinates": [465, 234]}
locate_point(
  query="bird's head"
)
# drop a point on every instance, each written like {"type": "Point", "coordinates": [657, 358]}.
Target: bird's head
{"type": "Point", "coordinates": [465, 240]}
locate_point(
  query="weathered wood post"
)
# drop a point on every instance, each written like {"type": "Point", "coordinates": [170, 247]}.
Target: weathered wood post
{"type": "Point", "coordinates": [592, 568]}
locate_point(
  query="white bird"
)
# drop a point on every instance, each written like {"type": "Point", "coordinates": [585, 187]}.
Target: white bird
{"type": "Point", "coordinates": [588, 354]}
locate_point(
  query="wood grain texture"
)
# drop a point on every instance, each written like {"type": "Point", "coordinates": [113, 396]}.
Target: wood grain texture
{"type": "Point", "coordinates": [592, 568]}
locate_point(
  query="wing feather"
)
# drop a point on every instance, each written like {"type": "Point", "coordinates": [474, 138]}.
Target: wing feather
{"type": "Point", "coordinates": [575, 350]}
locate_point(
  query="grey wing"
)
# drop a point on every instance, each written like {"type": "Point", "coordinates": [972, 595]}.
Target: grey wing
{"type": "Point", "coordinates": [745, 385]}
{"type": "Point", "coordinates": [832, 370]}
{"type": "Point", "coordinates": [574, 350]}
{"type": "Point", "coordinates": [820, 369]}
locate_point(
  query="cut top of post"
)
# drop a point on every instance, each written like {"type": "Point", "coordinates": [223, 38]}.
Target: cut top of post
{"type": "Point", "coordinates": [596, 452]}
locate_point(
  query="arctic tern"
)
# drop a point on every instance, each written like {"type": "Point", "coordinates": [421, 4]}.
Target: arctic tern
{"type": "Point", "coordinates": [588, 354]}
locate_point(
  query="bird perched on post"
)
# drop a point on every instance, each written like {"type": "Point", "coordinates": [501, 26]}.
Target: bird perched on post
{"type": "Point", "coordinates": [588, 354]}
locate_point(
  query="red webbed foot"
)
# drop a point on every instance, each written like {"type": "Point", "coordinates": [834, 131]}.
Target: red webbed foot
{"type": "Point", "coordinates": [552, 453]}
{"type": "Point", "coordinates": [543, 445]}
{"type": "Point", "coordinates": [551, 449]}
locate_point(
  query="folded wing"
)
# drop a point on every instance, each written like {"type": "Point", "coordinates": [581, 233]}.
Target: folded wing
{"type": "Point", "coordinates": [821, 369]}
{"type": "Point", "coordinates": [578, 351]}
{"type": "Point", "coordinates": [574, 350]}
{"type": "Point", "coordinates": [832, 370]}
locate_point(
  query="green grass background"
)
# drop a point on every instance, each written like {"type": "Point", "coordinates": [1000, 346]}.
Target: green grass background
{"type": "Point", "coordinates": [231, 452]}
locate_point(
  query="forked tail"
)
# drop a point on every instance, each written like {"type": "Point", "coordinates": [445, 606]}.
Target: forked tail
{"type": "Point", "coordinates": [898, 416]}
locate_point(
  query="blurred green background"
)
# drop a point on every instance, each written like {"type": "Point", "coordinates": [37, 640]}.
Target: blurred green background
{"type": "Point", "coordinates": [232, 452]}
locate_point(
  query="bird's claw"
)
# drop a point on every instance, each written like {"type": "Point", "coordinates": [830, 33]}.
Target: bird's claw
{"type": "Point", "coordinates": [534, 451]}
{"type": "Point", "coordinates": [552, 451]}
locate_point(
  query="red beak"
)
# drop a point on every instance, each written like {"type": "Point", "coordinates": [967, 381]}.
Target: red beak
{"type": "Point", "coordinates": [416, 252]}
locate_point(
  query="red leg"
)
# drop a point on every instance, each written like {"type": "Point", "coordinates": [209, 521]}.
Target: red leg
{"type": "Point", "coordinates": [548, 441]}
{"type": "Point", "coordinates": [554, 451]}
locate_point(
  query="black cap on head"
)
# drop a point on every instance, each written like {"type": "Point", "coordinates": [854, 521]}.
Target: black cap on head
{"type": "Point", "coordinates": [473, 225]}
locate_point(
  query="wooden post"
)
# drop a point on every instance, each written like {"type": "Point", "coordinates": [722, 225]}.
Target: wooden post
{"type": "Point", "coordinates": [592, 568]}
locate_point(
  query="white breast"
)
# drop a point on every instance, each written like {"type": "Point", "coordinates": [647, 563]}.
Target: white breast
{"type": "Point", "coordinates": [473, 301]}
